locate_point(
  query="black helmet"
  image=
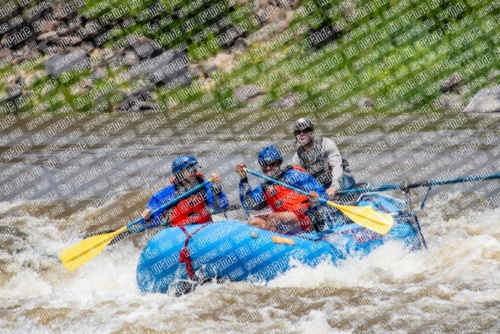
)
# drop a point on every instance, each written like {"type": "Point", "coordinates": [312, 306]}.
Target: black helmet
{"type": "Point", "coordinates": [301, 124]}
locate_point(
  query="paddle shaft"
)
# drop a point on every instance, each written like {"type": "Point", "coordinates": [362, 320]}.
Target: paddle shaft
{"type": "Point", "coordinates": [365, 216]}
{"type": "Point", "coordinates": [267, 178]}
{"type": "Point", "coordinates": [402, 186]}
{"type": "Point", "coordinates": [172, 202]}
{"type": "Point", "coordinates": [75, 256]}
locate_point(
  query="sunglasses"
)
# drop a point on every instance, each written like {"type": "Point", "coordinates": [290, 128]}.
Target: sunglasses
{"type": "Point", "coordinates": [271, 164]}
{"type": "Point", "coordinates": [192, 168]}
{"type": "Point", "coordinates": [306, 130]}
{"type": "Point", "coordinates": [188, 170]}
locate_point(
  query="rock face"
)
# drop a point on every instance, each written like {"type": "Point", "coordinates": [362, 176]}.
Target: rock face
{"type": "Point", "coordinates": [244, 93]}
{"type": "Point", "coordinates": [486, 100]}
{"type": "Point", "coordinates": [365, 102]}
{"type": "Point", "coordinates": [59, 63]}
{"type": "Point", "coordinates": [290, 100]}
{"type": "Point", "coordinates": [165, 68]}
{"type": "Point", "coordinates": [4, 53]}
{"type": "Point", "coordinates": [143, 47]}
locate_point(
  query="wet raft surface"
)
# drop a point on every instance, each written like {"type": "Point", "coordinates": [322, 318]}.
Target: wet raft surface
{"type": "Point", "coordinates": [241, 253]}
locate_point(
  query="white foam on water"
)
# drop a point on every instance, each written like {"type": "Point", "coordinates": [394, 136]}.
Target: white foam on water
{"type": "Point", "coordinates": [102, 296]}
{"type": "Point", "coordinates": [105, 287]}
{"type": "Point", "coordinates": [459, 270]}
{"type": "Point", "coordinates": [316, 322]}
{"type": "Point", "coordinates": [26, 283]}
{"type": "Point", "coordinates": [6, 206]}
{"type": "Point", "coordinates": [386, 264]}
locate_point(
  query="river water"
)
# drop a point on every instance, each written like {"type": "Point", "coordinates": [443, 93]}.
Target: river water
{"type": "Point", "coordinates": [62, 175]}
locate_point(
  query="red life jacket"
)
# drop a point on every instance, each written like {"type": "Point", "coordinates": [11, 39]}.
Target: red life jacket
{"type": "Point", "coordinates": [191, 210]}
{"type": "Point", "coordinates": [282, 199]}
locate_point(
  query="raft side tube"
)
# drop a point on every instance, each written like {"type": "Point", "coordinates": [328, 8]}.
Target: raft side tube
{"type": "Point", "coordinates": [244, 253]}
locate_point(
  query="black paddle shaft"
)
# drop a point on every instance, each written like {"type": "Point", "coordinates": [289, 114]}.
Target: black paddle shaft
{"type": "Point", "coordinates": [429, 183]}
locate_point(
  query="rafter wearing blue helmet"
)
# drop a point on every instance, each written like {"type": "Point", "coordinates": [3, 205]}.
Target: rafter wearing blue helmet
{"type": "Point", "coordinates": [291, 212]}
{"type": "Point", "coordinates": [195, 209]}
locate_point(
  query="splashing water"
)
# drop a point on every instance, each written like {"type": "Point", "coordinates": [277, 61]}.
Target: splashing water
{"type": "Point", "coordinates": [390, 289]}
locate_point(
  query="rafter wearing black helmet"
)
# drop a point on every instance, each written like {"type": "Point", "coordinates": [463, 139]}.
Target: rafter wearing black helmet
{"type": "Point", "coordinates": [320, 157]}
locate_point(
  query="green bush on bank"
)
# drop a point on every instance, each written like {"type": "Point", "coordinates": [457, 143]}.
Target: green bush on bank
{"type": "Point", "coordinates": [389, 57]}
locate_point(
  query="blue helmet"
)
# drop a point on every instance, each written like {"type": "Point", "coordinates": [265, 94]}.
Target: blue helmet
{"type": "Point", "coordinates": [182, 162]}
{"type": "Point", "coordinates": [269, 154]}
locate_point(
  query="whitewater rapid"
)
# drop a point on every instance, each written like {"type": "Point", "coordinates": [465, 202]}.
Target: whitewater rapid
{"type": "Point", "coordinates": [453, 284]}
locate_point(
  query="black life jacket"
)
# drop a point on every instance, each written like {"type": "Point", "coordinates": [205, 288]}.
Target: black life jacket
{"type": "Point", "coordinates": [316, 165]}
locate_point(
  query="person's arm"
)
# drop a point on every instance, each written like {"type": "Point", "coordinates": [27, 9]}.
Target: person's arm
{"type": "Point", "coordinates": [251, 199]}
{"type": "Point", "coordinates": [317, 187]}
{"type": "Point", "coordinates": [334, 159]}
{"type": "Point", "coordinates": [219, 200]}
{"type": "Point", "coordinates": [306, 183]}
{"type": "Point", "coordinates": [297, 161]}
{"type": "Point", "coordinates": [161, 198]}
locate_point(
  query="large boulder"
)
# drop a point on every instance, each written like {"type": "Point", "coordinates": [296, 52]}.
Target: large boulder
{"type": "Point", "coordinates": [46, 37]}
{"type": "Point", "coordinates": [50, 26]}
{"type": "Point", "coordinates": [365, 102]}
{"type": "Point", "coordinates": [486, 100]}
{"type": "Point", "coordinates": [450, 100]}
{"type": "Point", "coordinates": [59, 63]}
{"type": "Point", "coordinates": [16, 90]}
{"type": "Point", "coordinates": [143, 47]}
{"type": "Point", "coordinates": [290, 100]}
{"type": "Point", "coordinates": [142, 99]}
{"type": "Point", "coordinates": [247, 92]}
{"type": "Point", "coordinates": [166, 67]}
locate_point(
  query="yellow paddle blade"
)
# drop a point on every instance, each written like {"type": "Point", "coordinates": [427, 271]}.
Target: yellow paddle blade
{"type": "Point", "coordinates": [367, 217]}
{"type": "Point", "coordinates": [77, 255]}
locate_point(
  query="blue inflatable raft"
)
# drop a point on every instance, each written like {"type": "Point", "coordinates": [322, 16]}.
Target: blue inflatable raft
{"type": "Point", "coordinates": [176, 259]}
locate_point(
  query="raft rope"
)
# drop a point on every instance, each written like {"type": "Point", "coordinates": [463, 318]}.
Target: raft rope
{"type": "Point", "coordinates": [425, 198]}
{"type": "Point", "coordinates": [184, 255]}
{"type": "Point", "coordinates": [406, 191]}
{"type": "Point", "coordinates": [416, 217]}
